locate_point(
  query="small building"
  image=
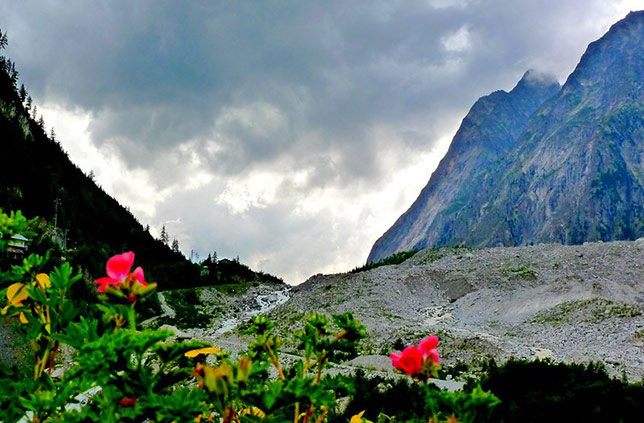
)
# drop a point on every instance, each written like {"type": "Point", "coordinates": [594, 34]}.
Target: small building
{"type": "Point", "coordinates": [18, 245]}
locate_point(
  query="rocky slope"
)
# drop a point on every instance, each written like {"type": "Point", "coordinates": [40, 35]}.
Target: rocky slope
{"type": "Point", "coordinates": [488, 131]}
{"type": "Point", "coordinates": [573, 174]}
{"type": "Point", "coordinates": [570, 303]}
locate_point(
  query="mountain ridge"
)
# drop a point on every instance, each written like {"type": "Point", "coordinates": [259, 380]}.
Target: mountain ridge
{"type": "Point", "coordinates": [584, 139]}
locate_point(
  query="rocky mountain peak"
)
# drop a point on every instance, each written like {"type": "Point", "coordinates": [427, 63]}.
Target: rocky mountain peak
{"type": "Point", "coordinates": [614, 60]}
{"type": "Point", "coordinates": [489, 130]}
{"type": "Point", "coordinates": [533, 78]}
{"type": "Point", "coordinates": [540, 163]}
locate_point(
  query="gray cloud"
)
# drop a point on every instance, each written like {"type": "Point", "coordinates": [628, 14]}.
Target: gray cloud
{"type": "Point", "coordinates": [285, 86]}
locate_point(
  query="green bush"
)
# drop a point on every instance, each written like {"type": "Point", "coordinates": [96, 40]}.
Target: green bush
{"type": "Point", "coordinates": [540, 391]}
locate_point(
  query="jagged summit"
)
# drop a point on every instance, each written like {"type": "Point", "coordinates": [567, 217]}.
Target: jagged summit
{"type": "Point", "coordinates": [559, 165]}
{"type": "Point", "coordinates": [533, 77]}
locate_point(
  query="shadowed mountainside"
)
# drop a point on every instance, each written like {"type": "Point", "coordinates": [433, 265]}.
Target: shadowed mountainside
{"type": "Point", "coordinates": [571, 173]}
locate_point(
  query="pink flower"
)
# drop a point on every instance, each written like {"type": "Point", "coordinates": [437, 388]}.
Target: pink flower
{"type": "Point", "coordinates": [428, 347]}
{"type": "Point", "coordinates": [118, 271]}
{"type": "Point", "coordinates": [411, 360]}
{"type": "Point", "coordinates": [395, 360]}
{"type": "Point", "coordinates": [433, 355]}
{"type": "Point", "coordinates": [428, 344]}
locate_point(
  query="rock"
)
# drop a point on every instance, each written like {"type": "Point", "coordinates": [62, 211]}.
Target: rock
{"type": "Point", "coordinates": [179, 334]}
{"type": "Point", "coordinates": [509, 301]}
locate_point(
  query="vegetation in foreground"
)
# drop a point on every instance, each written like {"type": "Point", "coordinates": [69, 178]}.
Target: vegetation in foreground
{"type": "Point", "coordinates": [119, 372]}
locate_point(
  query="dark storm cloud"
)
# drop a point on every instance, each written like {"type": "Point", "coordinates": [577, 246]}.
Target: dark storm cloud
{"type": "Point", "coordinates": [159, 73]}
{"type": "Point", "coordinates": [347, 92]}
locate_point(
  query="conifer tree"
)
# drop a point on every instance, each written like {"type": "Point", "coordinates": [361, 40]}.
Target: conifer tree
{"type": "Point", "coordinates": [175, 246]}
{"type": "Point", "coordinates": [3, 39]}
{"type": "Point", "coordinates": [22, 93]}
{"type": "Point", "coordinates": [165, 238]}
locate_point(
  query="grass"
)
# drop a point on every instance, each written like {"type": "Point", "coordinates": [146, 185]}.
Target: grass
{"type": "Point", "coordinates": [523, 272]}
{"type": "Point", "coordinates": [596, 310]}
{"type": "Point", "coordinates": [396, 258]}
{"type": "Point", "coordinates": [436, 253]}
{"type": "Point", "coordinates": [430, 255]}
{"type": "Point", "coordinates": [186, 305]}
{"type": "Point", "coordinates": [639, 334]}
{"type": "Point", "coordinates": [235, 288]}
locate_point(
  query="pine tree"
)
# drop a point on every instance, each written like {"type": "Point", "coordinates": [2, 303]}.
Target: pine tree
{"type": "Point", "coordinates": [28, 106]}
{"type": "Point", "coordinates": [52, 134]}
{"type": "Point", "coordinates": [22, 93]}
{"type": "Point", "coordinates": [41, 121]}
{"type": "Point", "coordinates": [165, 238]}
{"type": "Point", "coordinates": [3, 39]}
{"type": "Point", "coordinates": [13, 73]}
{"type": "Point", "coordinates": [175, 246]}
{"type": "Point", "coordinates": [34, 111]}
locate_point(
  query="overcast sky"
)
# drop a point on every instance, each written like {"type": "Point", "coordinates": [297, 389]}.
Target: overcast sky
{"type": "Point", "coordinates": [289, 133]}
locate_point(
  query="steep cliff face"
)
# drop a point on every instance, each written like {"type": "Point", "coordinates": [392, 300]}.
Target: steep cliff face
{"type": "Point", "coordinates": [572, 174]}
{"type": "Point", "coordinates": [488, 131]}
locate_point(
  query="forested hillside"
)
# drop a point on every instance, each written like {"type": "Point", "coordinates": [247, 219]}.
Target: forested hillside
{"type": "Point", "coordinates": [38, 178]}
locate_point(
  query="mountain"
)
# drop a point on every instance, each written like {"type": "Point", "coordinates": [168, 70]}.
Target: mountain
{"type": "Point", "coordinates": [489, 130]}
{"type": "Point", "coordinates": [571, 173]}
{"type": "Point", "coordinates": [35, 173]}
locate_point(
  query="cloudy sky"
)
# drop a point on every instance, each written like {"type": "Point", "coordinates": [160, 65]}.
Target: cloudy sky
{"type": "Point", "coordinates": [289, 133]}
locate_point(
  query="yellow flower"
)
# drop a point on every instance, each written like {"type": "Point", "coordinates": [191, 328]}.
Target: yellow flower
{"type": "Point", "coordinates": [358, 417]}
{"type": "Point", "coordinates": [16, 294]}
{"type": "Point", "coordinates": [205, 351]}
{"type": "Point", "coordinates": [42, 280]}
{"type": "Point", "coordinates": [252, 411]}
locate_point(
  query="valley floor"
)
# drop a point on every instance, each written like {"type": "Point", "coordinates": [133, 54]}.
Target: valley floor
{"type": "Point", "coordinates": [569, 303]}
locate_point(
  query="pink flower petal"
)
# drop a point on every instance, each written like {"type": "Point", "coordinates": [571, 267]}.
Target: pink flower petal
{"type": "Point", "coordinates": [411, 360]}
{"type": "Point", "coordinates": [434, 356]}
{"type": "Point", "coordinates": [138, 275]}
{"type": "Point", "coordinates": [395, 359]}
{"type": "Point", "coordinates": [118, 267]}
{"type": "Point", "coordinates": [428, 344]}
{"type": "Point", "coordinates": [107, 281]}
